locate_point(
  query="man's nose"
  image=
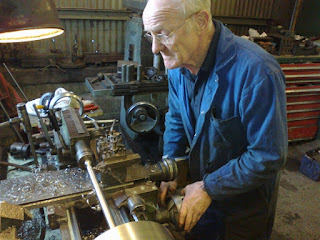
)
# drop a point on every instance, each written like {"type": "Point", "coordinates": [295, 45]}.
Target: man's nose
{"type": "Point", "coordinates": [157, 46]}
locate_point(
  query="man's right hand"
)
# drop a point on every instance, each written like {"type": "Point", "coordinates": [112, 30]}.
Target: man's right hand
{"type": "Point", "coordinates": [165, 189]}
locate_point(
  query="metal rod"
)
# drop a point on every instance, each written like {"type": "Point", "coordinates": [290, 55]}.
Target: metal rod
{"type": "Point", "coordinates": [12, 126]}
{"type": "Point", "coordinates": [43, 127]}
{"type": "Point", "coordinates": [56, 127]}
{"type": "Point", "coordinates": [93, 121]}
{"type": "Point", "coordinates": [10, 122]}
{"type": "Point", "coordinates": [16, 166]}
{"type": "Point", "coordinates": [100, 121]}
{"type": "Point", "coordinates": [25, 97]}
{"type": "Point", "coordinates": [112, 126]}
{"type": "Point", "coordinates": [22, 113]}
{"type": "Point", "coordinates": [295, 15]}
{"type": "Point", "coordinates": [124, 215]}
{"type": "Point", "coordinates": [102, 200]}
{"type": "Point", "coordinates": [73, 224]}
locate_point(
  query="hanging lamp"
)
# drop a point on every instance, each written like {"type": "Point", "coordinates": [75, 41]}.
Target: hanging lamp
{"type": "Point", "coordinates": [28, 20]}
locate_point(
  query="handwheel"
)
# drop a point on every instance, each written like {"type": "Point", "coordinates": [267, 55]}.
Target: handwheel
{"type": "Point", "coordinates": [142, 117]}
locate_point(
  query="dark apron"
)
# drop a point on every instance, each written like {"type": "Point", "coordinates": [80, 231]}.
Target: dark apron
{"type": "Point", "coordinates": [247, 216]}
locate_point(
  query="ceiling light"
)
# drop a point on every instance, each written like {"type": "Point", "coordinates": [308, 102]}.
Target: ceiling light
{"type": "Point", "coordinates": [22, 20]}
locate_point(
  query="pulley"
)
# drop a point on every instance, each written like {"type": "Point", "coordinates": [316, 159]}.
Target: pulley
{"type": "Point", "coordinates": [142, 117]}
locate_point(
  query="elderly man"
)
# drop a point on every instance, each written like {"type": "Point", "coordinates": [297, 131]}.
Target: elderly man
{"type": "Point", "coordinates": [227, 104]}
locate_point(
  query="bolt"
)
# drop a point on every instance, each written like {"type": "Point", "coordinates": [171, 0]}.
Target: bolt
{"type": "Point", "coordinates": [142, 117]}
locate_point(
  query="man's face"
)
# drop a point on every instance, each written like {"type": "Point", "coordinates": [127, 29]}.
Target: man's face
{"type": "Point", "coordinates": [162, 17]}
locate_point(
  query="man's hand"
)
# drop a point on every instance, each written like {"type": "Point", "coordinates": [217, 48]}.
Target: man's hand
{"type": "Point", "coordinates": [165, 189]}
{"type": "Point", "coordinates": [195, 203]}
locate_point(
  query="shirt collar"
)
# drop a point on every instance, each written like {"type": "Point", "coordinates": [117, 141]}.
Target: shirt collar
{"type": "Point", "coordinates": [210, 59]}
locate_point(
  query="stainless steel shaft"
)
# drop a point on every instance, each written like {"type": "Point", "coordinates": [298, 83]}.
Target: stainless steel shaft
{"type": "Point", "coordinates": [102, 200]}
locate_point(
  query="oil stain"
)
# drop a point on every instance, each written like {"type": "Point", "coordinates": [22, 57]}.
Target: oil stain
{"type": "Point", "coordinates": [290, 217]}
{"type": "Point", "coordinates": [287, 185]}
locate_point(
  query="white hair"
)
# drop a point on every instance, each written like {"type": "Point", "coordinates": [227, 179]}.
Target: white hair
{"type": "Point", "coordinates": [190, 7]}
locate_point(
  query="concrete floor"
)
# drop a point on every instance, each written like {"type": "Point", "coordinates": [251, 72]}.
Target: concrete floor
{"type": "Point", "coordinates": [298, 209]}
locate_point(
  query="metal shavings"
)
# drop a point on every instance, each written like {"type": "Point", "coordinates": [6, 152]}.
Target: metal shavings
{"type": "Point", "coordinates": [41, 186]}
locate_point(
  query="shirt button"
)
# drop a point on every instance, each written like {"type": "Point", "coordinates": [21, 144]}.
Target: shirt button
{"type": "Point", "coordinates": [202, 112]}
{"type": "Point", "coordinates": [195, 134]}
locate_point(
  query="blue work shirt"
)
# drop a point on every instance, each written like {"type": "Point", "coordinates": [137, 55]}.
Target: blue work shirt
{"type": "Point", "coordinates": [239, 142]}
{"type": "Point", "coordinates": [196, 83]}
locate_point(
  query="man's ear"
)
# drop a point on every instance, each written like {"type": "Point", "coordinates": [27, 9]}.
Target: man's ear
{"type": "Point", "coordinates": [202, 20]}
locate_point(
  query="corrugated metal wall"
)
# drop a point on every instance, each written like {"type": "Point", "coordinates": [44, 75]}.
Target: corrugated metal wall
{"type": "Point", "coordinates": [102, 34]}
{"type": "Point", "coordinates": [261, 9]}
{"type": "Point", "coordinates": [251, 10]}
{"type": "Point", "coordinates": [92, 4]}
{"type": "Point", "coordinates": [99, 25]}
{"type": "Point", "coordinates": [93, 36]}
{"type": "Point", "coordinates": [240, 15]}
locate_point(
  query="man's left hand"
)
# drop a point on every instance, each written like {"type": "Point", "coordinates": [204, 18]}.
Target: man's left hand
{"type": "Point", "coordinates": [195, 203]}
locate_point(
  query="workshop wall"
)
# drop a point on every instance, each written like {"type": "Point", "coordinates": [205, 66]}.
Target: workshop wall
{"type": "Point", "coordinates": [92, 4]}
{"type": "Point", "coordinates": [240, 15]}
{"type": "Point", "coordinates": [98, 27]}
{"type": "Point", "coordinates": [95, 30]}
{"type": "Point", "coordinates": [98, 24]}
{"type": "Point", "coordinates": [308, 21]}
{"type": "Point", "coordinates": [243, 8]}
{"type": "Point", "coordinates": [91, 27]}
{"type": "Point", "coordinates": [93, 36]}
